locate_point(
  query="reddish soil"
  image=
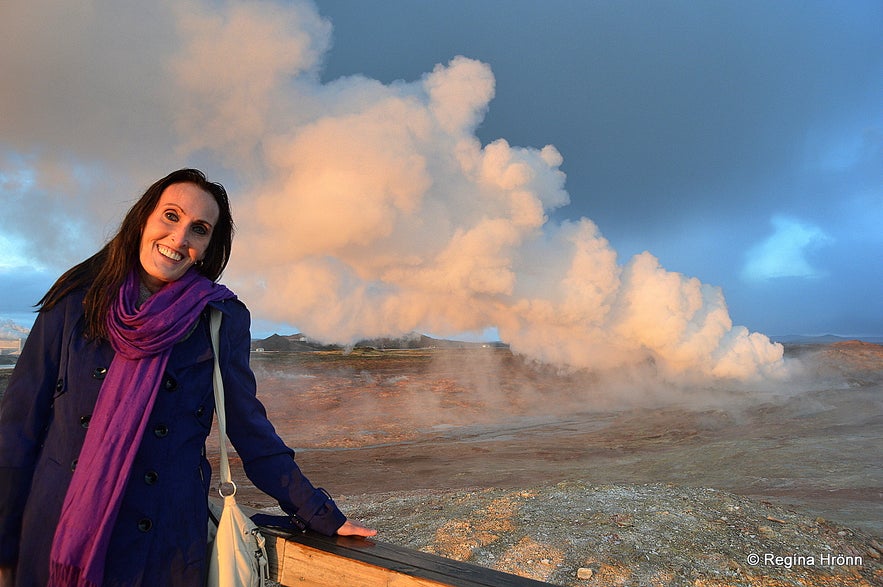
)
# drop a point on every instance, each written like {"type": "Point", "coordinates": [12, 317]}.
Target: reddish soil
{"type": "Point", "coordinates": [394, 421]}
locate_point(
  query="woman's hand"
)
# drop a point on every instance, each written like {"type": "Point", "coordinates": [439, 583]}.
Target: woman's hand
{"type": "Point", "coordinates": [7, 576]}
{"type": "Point", "coordinates": [348, 529]}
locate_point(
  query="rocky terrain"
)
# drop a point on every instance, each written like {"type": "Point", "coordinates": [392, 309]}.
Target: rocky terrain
{"type": "Point", "coordinates": [576, 534]}
{"type": "Point", "coordinates": [782, 492]}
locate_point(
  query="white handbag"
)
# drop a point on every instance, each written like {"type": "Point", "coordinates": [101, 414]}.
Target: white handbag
{"type": "Point", "coordinates": [238, 557]}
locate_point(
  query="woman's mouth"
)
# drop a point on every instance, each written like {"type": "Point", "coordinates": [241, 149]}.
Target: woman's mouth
{"type": "Point", "coordinates": [169, 253]}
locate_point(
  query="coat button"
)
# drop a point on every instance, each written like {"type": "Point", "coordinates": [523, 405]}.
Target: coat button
{"type": "Point", "coordinates": [59, 385]}
{"type": "Point", "coordinates": [161, 431]}
{"type": "Point", "coordinates": [74, 464]}
{"type": "Point", "coordinates": [169, 384]}
{"type": "Point", "coordinates": [99, 373]}
{"type": "Point", "coordinates": [145, 524]}
{"type": "Point", "coordinates": [150, 477]}
{"type": "Point", "coordinates": [84, 421]}
{"type": "Point", "coordinates": [200, 411]}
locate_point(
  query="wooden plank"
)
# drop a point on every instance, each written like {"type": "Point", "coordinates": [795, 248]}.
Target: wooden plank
{"type": "Point", "coordinates": [339, 561]}
{"type": "Point", "coordinates": [309, 559]}
{"type": "Point", "coordinates": [309, 567]}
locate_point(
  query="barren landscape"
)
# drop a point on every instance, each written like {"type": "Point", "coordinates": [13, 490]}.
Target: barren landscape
{"type": "Point", "coordinates": [577, 479]}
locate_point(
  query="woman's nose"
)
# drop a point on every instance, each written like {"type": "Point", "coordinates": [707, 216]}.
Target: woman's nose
{"type": "Point", "coordinates": [180, 235]}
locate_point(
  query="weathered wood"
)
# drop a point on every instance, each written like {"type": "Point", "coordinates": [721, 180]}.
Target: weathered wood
{"type": "Point", "coordinates": [308, 559]}
{"type": "Point", "coordinates": [299, 564]}
{"type": "Point", "coordinates": [313, 560]}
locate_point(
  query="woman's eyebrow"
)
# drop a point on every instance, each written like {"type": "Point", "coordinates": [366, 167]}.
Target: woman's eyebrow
{"type": "Point", "coordinates": [184, 212]}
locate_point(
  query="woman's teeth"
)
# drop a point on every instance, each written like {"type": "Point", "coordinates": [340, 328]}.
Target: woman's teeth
{"type": "Point", "coordinates": [171, 254]}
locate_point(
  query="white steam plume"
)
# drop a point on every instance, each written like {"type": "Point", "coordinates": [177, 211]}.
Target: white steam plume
{"type": "Point", "coordinates": [378, 212]}
{"type": "Point", "coordinates": [367, 209]}
{"type": "Point", "coordinates": [9, 330]}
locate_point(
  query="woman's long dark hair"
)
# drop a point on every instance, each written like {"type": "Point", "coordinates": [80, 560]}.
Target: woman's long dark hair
{"type": "Point", "coordinates": [103, 273]}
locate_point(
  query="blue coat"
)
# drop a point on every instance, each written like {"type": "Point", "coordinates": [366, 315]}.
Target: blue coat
{"type": "Point", "coordinates": [160, 533]}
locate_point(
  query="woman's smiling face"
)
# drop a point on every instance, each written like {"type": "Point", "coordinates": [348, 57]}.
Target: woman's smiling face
{"type": "Point", "coordinates": [177, 234]}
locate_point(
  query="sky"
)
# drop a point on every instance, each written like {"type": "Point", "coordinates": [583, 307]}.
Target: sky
{"type": "Point", "coordinates": [673, 179]}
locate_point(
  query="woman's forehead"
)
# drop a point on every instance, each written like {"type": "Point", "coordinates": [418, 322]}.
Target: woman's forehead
{"type": "Point", "coordinates": [191, 200]}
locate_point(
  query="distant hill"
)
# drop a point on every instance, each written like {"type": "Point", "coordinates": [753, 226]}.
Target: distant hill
{"type": "Point", "coordinates": [823, 339]}
{"type": "Point", "coordinates": [290, 343]}
{"type": "Point", "coordinates": [301, 343]}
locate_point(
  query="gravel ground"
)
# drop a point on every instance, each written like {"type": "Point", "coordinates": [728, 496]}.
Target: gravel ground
{"type": "Point", "coordinates": [656, 535]}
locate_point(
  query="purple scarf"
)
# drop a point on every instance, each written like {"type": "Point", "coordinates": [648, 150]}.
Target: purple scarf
{"type": "Point", "coordinates": [143, 339]}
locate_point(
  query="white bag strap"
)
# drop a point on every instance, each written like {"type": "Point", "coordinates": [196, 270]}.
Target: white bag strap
{"type": "Point", "coordinates": [215, 329]}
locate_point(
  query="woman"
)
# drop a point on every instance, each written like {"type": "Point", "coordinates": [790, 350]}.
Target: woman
{"type": "Point", "coordinates": [110, 488]}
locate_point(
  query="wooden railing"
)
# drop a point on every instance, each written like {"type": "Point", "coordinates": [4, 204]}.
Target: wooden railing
{"type": "Point", "coordinates": [312, 560]}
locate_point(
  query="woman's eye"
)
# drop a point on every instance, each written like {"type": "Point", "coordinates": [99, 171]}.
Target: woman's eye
{"type": "Point", "coordinates": [200, 230]}
{"type": "Point", "coordinates": [171, 216]}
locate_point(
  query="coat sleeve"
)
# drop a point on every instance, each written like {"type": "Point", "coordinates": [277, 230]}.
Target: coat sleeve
{"type": "Point", "coordinates": [267, 461]}
{"type": "Point", "coordinates": [25, 413]}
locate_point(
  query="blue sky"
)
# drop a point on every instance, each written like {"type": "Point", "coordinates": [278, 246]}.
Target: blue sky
{"type": "Point", "coordinates": [740, 143]}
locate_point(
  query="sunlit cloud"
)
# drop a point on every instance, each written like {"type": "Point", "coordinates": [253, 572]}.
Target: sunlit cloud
{"type": "Point", "coordinates": [372, 204]}
{"type": "Point", "coordinates": [785, 253]}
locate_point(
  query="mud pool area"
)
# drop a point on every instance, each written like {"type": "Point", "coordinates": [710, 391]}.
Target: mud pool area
{"type": "Point", "coordinates": [579, 480]}
{"type": "Point", "coordinates": [397, 421]}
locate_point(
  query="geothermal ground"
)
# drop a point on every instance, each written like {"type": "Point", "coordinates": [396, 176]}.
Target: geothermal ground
{"type": "Point", "coordinates": [581, 480]}
{"type": "Point", "coordinates": [476, 455]}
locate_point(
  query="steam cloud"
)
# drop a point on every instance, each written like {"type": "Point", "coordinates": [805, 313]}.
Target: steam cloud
{"type": "Point", "coordinates": [9, 330]}
{"type": "Point", "coordinates": [367, 209]}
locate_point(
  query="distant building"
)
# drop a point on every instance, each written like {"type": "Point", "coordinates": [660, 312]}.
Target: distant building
{"type": "Point", "coordinates": [10, 346]}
